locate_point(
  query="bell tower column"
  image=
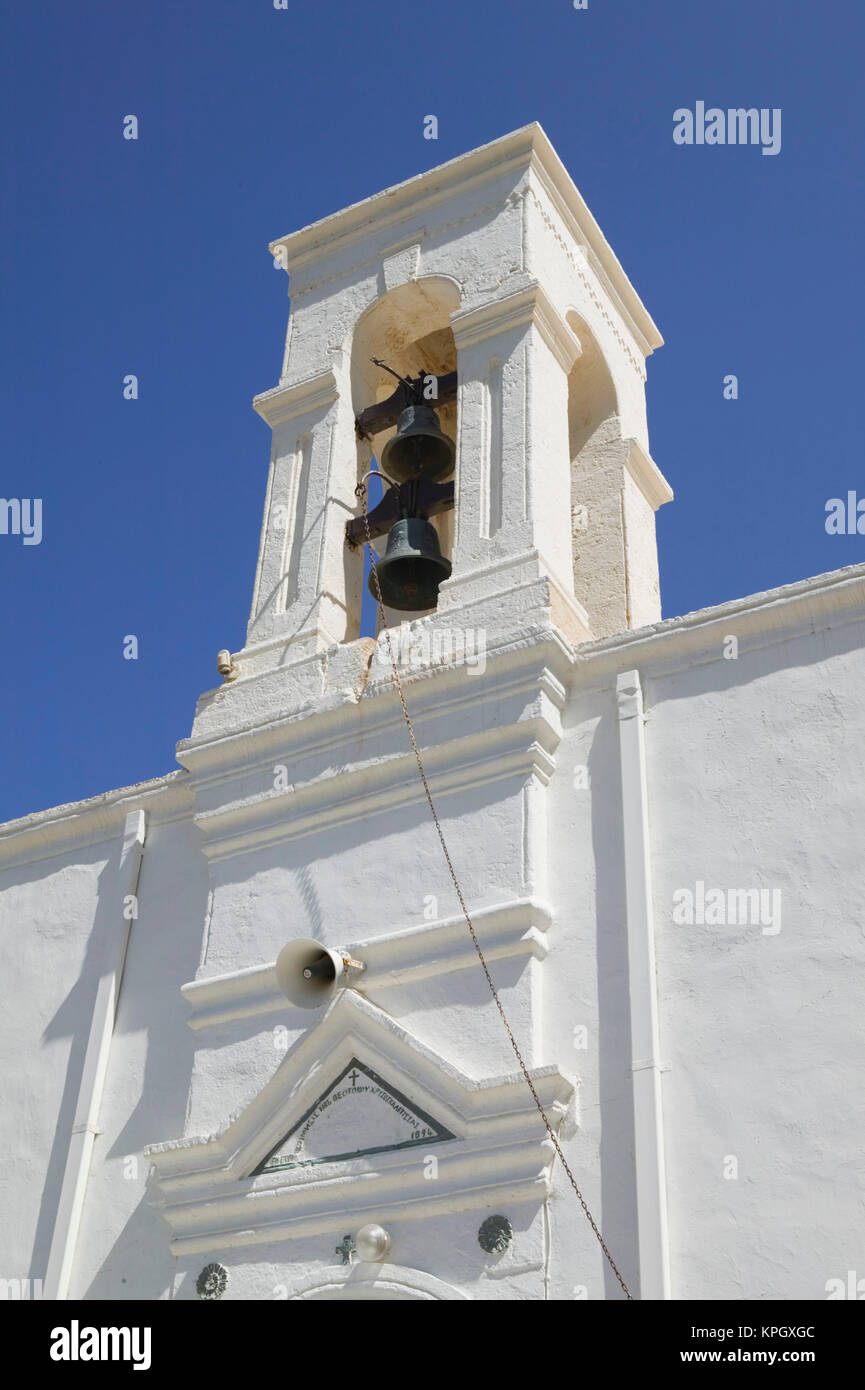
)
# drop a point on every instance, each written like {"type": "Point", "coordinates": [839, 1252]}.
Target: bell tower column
{"type": "Point", "coordinates": [307, 584]}
{"type": "Point", "coordinates": [513, 491]}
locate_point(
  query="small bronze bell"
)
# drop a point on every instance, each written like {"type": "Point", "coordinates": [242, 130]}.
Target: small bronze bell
{"type": "Point", "coordinates": [412, 567]}
{"type": "Point", "coordinates": [420, 448]}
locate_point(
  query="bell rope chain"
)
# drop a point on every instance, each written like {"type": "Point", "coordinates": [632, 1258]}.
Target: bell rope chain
{"type": "Point", "coordinates": [361, 494]}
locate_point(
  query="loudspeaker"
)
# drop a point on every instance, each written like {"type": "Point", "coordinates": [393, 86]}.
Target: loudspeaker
{"type": "Point", "coordinates": [309, 973]}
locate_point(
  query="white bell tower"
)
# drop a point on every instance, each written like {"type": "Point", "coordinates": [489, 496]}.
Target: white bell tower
{"type": "Point", "coordinates": [490, 266]}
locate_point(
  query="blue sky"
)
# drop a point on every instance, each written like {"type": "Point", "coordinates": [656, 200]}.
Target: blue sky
{"type": "Point", "coordinates": [150, 257]}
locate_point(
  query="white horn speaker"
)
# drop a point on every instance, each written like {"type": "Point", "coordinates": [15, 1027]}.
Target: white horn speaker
{"type": "Point", "coordinates": [308, 973]}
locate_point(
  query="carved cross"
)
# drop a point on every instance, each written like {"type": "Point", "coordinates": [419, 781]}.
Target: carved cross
{"type": "Point", "coordinates": [346, 1249]}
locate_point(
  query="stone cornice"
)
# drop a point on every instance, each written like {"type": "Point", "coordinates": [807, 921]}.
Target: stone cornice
{"type": "Point", "coordinates": [814, 604]}
{"type": "Point", "coordinates": [528, 305]}
{"type": "Point", "coordinates": [585, 233]}
{"type": "Point", "coordinates": [648, 476]}
{"type": "Point", "coordinates": [386, 784]}
{"type": "Point", "coordinates": [290, 399]}
{"type": "Point", "coordinates": [99, 818]}
{"type": "Point", "coordinates": [516, 928]}
{"type": "Point", "coordinates": [523, 671]}
{"type": "Point", "coordinates": [760, 620]}
{"type": "Point", "coordinates": [414, 197]}
{"type": "Point", "coordinates": [530, 677]}
{"type": "Point", "coordinates": [522, 149]}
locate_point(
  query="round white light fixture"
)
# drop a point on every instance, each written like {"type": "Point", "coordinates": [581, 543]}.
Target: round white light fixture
{"type": "Point", "coordinates": [372, 1244]}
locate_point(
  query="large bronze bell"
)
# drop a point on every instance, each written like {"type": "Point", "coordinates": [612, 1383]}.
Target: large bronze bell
{"type": "Point", "coordinates": [420, 448]}
{"type": "Point", "coordinates": [412, 567]}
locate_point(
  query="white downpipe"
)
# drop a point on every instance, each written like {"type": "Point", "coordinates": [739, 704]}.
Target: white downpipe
{"type": "Point", "coordinates": [642, 988]}
{"type": "Point", "coordinates": [85, 1125]}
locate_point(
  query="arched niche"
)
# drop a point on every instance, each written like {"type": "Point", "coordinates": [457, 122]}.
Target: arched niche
{"type": "Point", "coordinates": [592, 397]}
{"type": "Point", "coordinates": [409, 328]}
{"type": "Point", "coordinates": [385, 1282]}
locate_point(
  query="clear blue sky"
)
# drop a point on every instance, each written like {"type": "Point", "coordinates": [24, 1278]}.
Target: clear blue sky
{"type": "Point", "coordinates": [151, 257]}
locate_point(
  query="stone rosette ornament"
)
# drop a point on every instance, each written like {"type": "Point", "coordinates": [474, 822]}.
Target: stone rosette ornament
{"type": "Point", "coordinates": [495, 1235]}
{"type": "Point", "coordinates": [211, 1281]}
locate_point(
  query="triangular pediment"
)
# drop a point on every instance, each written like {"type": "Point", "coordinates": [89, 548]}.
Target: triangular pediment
{"type": "Point", "coordinates": [357, 1096]}
{"type": "Point", "coordinates": [357, 1114]}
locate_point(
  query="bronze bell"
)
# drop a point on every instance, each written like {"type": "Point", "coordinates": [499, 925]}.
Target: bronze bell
{"type": "Point", "coordinates": [412, 567]}
{"type": "Point", "coordinates": [420, 448]}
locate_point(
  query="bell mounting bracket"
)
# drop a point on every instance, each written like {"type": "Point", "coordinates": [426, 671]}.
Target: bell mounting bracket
{"type": "Point", "coordinates": [410, 391]}
{"type": "Point", "coordinates": [418, 497]}
{"type": "Point", "coordinates": [415, 498]}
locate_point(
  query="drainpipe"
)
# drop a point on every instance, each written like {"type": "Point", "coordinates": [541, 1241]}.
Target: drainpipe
{"type": "Point", "coordinates": [654, 1255]}
{"type": "Point", "coordinates": [73, 1190]}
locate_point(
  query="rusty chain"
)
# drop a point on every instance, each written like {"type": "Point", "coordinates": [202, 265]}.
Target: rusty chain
{"type": "Point", "coordinates": [361, 494]}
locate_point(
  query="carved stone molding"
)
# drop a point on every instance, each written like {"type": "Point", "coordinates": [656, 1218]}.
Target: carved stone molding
{"type": "Point", "coordinates": [290, 399]}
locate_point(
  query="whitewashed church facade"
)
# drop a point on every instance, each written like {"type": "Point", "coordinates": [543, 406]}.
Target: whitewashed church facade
{"type": "Point", "coordinates": [657, 828]}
